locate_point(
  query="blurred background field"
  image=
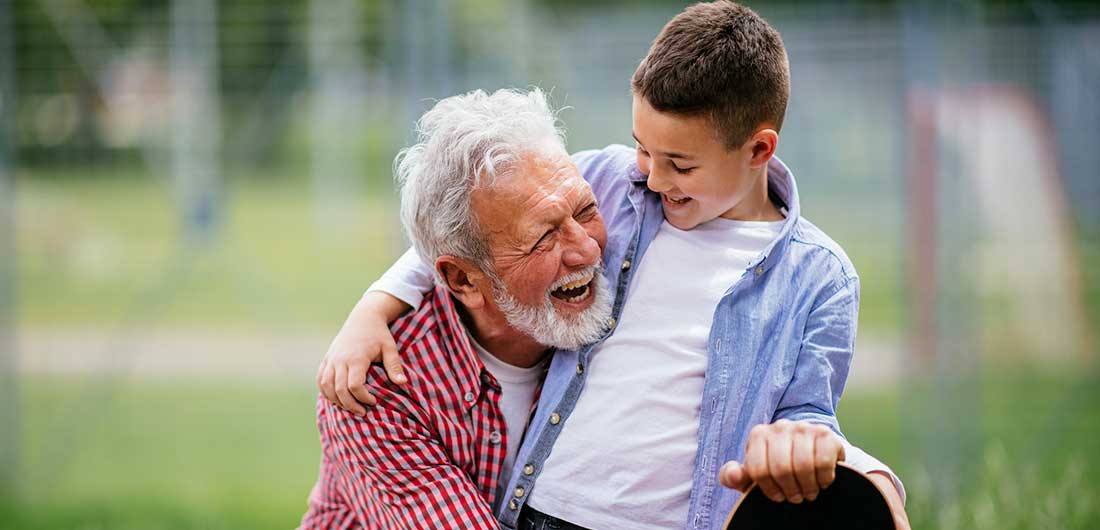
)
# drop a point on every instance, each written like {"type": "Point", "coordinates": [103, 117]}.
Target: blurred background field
{"type": "Point", "coordinates": [193, 194]}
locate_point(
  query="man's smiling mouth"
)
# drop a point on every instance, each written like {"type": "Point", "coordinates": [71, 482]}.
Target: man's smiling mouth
{"type": "Point", "coordinates": [576, 289]}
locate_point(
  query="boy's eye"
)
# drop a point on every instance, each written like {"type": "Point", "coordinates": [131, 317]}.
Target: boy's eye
{"type": "Point", "coordinates": [682, 170]}
{"type": "Point", "coordinates": [641, 150]}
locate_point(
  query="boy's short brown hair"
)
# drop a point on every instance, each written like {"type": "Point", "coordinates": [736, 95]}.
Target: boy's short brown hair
{"type": "Point", "coordinates": [721, 60]}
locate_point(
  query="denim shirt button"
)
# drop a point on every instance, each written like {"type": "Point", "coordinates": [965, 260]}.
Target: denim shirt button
{"type": "Point", "coordinates": [555, 418]}
{"type": "Point", "coordinates": [519, 492]}
{"type": "Point", "coordinates": [528, 470]}
{"type": "Point", "coordinates": [626, 265]}
{"type": "Point", "coordinates": [513, 505]}
{"type": "Point", "coordinates": [580, 368]}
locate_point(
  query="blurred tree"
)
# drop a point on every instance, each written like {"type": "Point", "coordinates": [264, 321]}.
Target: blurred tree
{"type": "Point", "coordinates": [65, 48]}
{"type": "Point", "coordinates": [10, 433]}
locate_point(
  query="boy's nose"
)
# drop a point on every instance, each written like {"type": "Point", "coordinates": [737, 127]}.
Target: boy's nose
{"type": "Point", "coordinates": [657, 182]}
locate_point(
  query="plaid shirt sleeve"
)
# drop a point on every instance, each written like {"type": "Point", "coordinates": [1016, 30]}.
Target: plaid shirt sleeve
{"type": "Point", "coordinates": [388, 471]}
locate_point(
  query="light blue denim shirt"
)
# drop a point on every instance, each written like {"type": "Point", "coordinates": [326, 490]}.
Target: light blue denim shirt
{"type": "Point", "coordinates": [780, 343]}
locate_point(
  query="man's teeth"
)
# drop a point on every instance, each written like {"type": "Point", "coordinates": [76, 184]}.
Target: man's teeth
{"type": "Point", "coordinates": [574, 285]}
{"type": "Point", "coordinates": [579, 297]}
{"type": "Point", "coordinates": [579, 288]}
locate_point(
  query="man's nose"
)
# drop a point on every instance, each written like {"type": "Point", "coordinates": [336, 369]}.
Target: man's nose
{"type": "Point", "coordinates": [581, 249]}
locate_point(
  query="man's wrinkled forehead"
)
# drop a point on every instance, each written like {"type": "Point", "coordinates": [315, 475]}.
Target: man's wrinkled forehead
{"type": "Point", "coordinates": [538, 174]}
{"type": "Point", "coordinates": [534, 192]}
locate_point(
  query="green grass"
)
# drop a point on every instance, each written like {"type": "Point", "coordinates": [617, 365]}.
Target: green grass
{"type": "Point", "coordinates": [122, 454]}
{"type": "Point", "coordinates": [1011, 450]}
{"type": "Point", "coordinates": [98, 251]}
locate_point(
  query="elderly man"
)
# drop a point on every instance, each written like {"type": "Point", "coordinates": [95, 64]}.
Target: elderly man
{"type": "Point", "coordinates": [488, 179]}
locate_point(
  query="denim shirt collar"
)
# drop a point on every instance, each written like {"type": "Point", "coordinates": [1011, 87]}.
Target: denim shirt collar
{"type": "Point", "coordinates": [780, 185]}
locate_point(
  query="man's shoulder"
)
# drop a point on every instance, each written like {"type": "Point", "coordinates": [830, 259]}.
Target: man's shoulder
{"type": "Point", "coordinates": [421, 322]}
{"type": "Point", "coordinates": [435, 350]}
{"type": "Point", "coordinates": [819, 254]}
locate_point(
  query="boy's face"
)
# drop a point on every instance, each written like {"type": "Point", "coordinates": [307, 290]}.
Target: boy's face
{"type": "Point", "coordinates": [699, 179]}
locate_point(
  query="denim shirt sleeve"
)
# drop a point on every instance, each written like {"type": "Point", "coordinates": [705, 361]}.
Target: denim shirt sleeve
{"type": "Point", "coordinates": [604, 170]}
{"type": "Point", "coordinates": [826, 353]}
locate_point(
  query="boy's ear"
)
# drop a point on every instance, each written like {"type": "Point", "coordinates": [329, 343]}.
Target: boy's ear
{"type": "Point", "coordinates": [763, 144]}
{"type": "Point", "coordinates": [459, 276]}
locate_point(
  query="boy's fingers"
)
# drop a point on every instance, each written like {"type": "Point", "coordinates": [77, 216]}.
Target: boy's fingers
{"type": "Point", "coordinates": [827, 452]}
{"type": "Point", "coordinates": [780, 465]}
{"type": "Point", "coordinates": [321, 373]}
{"type": "Point", "coordinates": [392, 361]}
{"type": "Point", "coordinates": [363, 395]}
{"type": "Point", "coordinates": [346, 401]}
{"type": "Point", "coordinates": [357, 376]}
{"type": "Point", "coordinates": [328, 387]}
{"type": "Point", "coordinates": [756, 463]}
{"type": "Point", "coordinates": [732, 475]}
{"type": "Point", "coordinates": [802, 453]}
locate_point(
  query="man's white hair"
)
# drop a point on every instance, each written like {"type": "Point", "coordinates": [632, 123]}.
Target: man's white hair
{"type": "Point", "coordinates": [465, 142]}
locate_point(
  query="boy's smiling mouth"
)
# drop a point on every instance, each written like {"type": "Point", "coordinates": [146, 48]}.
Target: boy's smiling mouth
{"type": "Point", "coordinates": [675, 201]}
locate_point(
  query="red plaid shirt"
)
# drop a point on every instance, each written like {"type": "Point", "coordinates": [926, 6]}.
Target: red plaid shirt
{"type": "Point", "coordinates": [430, 453]}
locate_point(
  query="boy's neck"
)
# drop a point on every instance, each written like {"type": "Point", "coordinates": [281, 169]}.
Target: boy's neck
{"type": "Point", "coordinates": [757, 205]}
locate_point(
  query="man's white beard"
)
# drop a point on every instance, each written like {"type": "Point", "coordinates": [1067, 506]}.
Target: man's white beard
{"type": "Point", "coordinates": [544, 324]}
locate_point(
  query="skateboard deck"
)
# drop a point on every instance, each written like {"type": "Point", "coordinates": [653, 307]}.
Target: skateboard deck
{"type": "Point", "coordinates": [852, 501]}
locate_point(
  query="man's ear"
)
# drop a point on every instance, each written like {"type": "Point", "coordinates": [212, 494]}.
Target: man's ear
{"type": "Point", "coordinates": [763, 144]}
{"type": "Point", "coordinates": [459, 276]}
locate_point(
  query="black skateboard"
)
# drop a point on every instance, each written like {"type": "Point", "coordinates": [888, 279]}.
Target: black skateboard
{"type": "Point", "coordinates": [852, 501]}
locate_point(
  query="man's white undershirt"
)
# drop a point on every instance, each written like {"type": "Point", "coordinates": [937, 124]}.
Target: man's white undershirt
{"type": "Point", "coordinates": [518, 386]}
{"type": "Point", "coordinates": [625, 458]}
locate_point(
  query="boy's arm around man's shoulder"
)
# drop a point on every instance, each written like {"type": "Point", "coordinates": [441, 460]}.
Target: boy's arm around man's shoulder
{"type": "Point", "coordinates": [394, 472]}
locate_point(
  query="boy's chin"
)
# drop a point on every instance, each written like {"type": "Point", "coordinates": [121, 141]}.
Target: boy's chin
{"type": "Point", "coordinates": [683, 222]}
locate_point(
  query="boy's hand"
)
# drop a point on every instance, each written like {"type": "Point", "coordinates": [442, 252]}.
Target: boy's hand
{"type": "Point", "coordinates": [789, 460]}
{"type": "Point", "coordinates": [343, 371]}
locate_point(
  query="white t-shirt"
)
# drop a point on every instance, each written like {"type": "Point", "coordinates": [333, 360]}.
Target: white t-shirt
{"type": "Point", "coordinates": [625, 458]}
{"type": "Point", "coordinates": [518, 386]}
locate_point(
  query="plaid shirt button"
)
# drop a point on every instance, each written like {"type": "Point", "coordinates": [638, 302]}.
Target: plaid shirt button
{"type": "Point", "coordinates": [469, 397]}
{"type": "Point", "coordinates": [494, 437]}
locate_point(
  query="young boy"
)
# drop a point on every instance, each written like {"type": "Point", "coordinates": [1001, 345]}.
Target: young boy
{"type": "Point", "coordinates": [730, 341]}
